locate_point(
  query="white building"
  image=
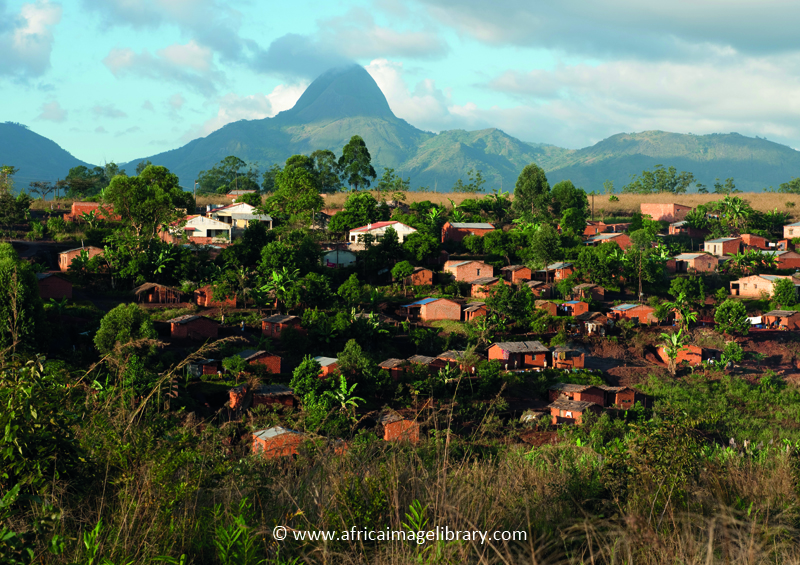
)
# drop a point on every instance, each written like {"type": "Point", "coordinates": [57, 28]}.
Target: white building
{"type": "Point", "coordinates": [239, 215]}
{"type": "Point", "coordinates": [200, 226]}
{"type": "Point", "coordinates": [356, 236]}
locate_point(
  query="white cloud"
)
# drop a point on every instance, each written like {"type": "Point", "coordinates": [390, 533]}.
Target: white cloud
{"type": "Point", "coordinates": [52, 112]}
{"type": "Point", "coordinates": [191, 55]}
{"type": "Point", "coordinates": [107, 111]}
{"type": "Point", "coordinates": [233, 107]}
{"type": "Point", "coordinates": [26, 44]}
{"type": "Point", "coordinates": [124, 61]}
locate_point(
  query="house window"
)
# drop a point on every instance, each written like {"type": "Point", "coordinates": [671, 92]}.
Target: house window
{"type": "Point", "coordinates": [478, 272]}
{"type": "Point", "coordinates": [755, 286]}
{"type": "Point", "coordinates": [744, 285]}
{"type": "Point", "coordinates": [568, 415]}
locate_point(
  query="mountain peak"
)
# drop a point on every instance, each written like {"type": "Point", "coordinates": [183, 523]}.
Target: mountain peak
{"type": "Point", "coordinates": [340, 93]}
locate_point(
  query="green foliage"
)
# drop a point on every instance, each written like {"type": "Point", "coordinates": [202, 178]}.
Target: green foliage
{"type": "Point", "coordinates": [234, 364]}
{"type": "Point", "coordinates": [660, 180]}
{"type": "Point", "coordinates": [732, 353]}
{"type": "Point", "coordinates": [731, 318]}
{"type": "Point", "coordinates": [545, 245]}
{"type": "Point", "coordinates": [421, 246]}
{"type": "Point", "coordinates": [402, 270]}
{"type": "Point", "coordinates": [790, 187]}
{"type": "Point", "coordinates": [295, 251]}
{"type": "Point", "coordinates": [475, 182]}
{"type": "Point", "coordinates": [21, 308]}
{"type": "Point", "coordinates": [355, 164]}
{"type": "Point", "coordinates": [360, 209]}
{"type": "Point", "coordinates": [784, 294]}
{"type": "Point", "coordinates": [229, 174]}
{"type": "Point", "coordinates": [351, 290]}
{"type": "Point", "coordinates": [692, 288]}
{"type": "Point", "coordinates": [297, 189]}
{"type": "Point", "coordinates": [601, 265]}
{"type": "Point", "coordinates": [566, 195]}
{"type": "Point", "coordinates": [531, 192]}
{"type": "Point", "coordinates": [124, 330]}
{"type": "Point", "coordinates": [306, 377]}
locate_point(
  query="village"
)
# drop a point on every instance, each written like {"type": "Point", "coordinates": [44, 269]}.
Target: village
{"type": "Point", "coordinates": [403, 314]}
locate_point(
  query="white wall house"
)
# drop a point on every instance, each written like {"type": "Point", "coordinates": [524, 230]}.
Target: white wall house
{"type": "Point", "coordinates": [355, 238]}
{"type": "Point", "coordinates": [239, 215]}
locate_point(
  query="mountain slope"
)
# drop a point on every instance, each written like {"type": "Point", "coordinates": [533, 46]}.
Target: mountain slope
{"type": "Point", "coordinates": [36, 157]}
{"type": "Point", "coordinates": [754, 163]}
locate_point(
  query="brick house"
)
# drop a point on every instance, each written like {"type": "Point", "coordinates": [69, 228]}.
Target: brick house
{"type": "Point", "coordinates": [692, 355]}
{"type": "Point", "coordinates": [397, 428]}
{"type": "Point", "coordinates": [456, 358]}
{"type": "Point", "coordinates": [277, 442]}
{"type": "Point", "coordinates": [482, 287]}
{"type": "Point", "coordinates": [193, 327]}
{"type": "Point", "coordinates": [665, 212]}
{"type": "Point", "coordinates": [355, 237]}
{"type": "Point", "coordinates": [467, 271]}
{"type": "Point", "coordinates": [592, 323]}
{"type": "Point", "coordinates": [204, 296]}
{"type": "Point", "coordinates": [637, 312]}
{"type": "Point", "coordinates": [520, 354]}
{"type": "Point", "coordinates": [595, 227]}
{"type": "Point", "coordinates": [53, 286]}
{"type": "Point", "coordinates": [272, 326]}
{"type": "Point", "coordinates": [78, 209]}
{"type": "Point", "coordinates": [65, 257]}
{"type": "Point", "coordinates": [395, 367]}
{"type": "Point", "coordinates": [474, 310]}
{"type": "Point", "coordinates": [693, 263]}
{"type": "Point", "coordinates": [620, 396]}
{"type": "Point", "coordinates": [567, 358]}
{"type": "Point", "coordinates": [620, 239]}
{"type": "Point", "coordinates": [579, 393]}
{"type": "Point", "coordinates": [540, 289]}
{"type": "Point", "coordinates": [565, 411]}
{"type": "Point", "coordinates": [243, 396]}
{"type": "Point", "coordinates": [754, 241]}
{"type": "Point", "coordinates": [589, 291]}
{"type": "Point", "coordinates": [420, 277]}
{"type": "Point", "coordinates": [328, 364]}
{"type": "Point", "coordinates": [272, 362]}
{"type": "Point", "coordinates": [788, 259]}
{"type": "Point", "coordinates": [723, 246]}
{"type": "Point", "coordinates": [789, 319]}
{"type": "Point", "coordinates": [153, 293]}
{"type": "Point", "coordinates": [754, 285]}
{"type": "Point", "coordinates": [516, 273]}
{"type": "Point", "coordinates": [202, 367]}
{"type": "Point", "coordinates": [791, 231]}
{"type": "Point", "coordinates": [430, 362]}
{"type": "Point", "coordinates": [429, 309]}
{"type": "Point", "coordinates": [554, 272]}
{"type": "Point", "coordinates": [573, 308]}
{"type": "Point", "coordinates": [457, 231]}
{"type": "Point", "coordinates": [683, 228]}
{"type": "Point", "coordinates": [548, 306]}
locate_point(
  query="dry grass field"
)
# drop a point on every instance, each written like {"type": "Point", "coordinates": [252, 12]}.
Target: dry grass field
{"type": "Point", "coordinates": [625, 206]}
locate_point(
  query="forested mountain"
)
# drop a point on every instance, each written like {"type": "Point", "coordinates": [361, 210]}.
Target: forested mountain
{"type": "Point", "coordinates": [346, 102]}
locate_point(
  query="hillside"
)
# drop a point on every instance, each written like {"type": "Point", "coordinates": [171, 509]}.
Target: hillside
{"type": "Point", "coordinates": [36, 157]}
{"type": "Point", "coordinates": [754, 163]}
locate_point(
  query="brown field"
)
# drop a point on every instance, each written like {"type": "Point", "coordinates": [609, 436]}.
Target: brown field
{"type": "Point", "coordinates": [627, 204]}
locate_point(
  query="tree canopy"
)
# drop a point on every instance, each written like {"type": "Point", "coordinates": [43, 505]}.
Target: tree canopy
{"type": "Point", "coordinates": [355, 164]}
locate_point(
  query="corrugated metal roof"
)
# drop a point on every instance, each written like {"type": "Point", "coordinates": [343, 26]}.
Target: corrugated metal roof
{"type": "Point", "coordinates": [274, 432]}
{"type": "Point", "coordinates": [625, 306]}
{"type": "Point", "coordinates": [555, 266]}
{"type": "Point", "coordinates": [378, 225]}
{"type": "Point", "coordinates": [690, 256]}
{"type": "Point", "coordinates": [571, 405]}
{"type": "Point", "coordinates": [421, 359]}
{"type": "Point", "coordinates": [522, 346]}
{"type": "Point", "coordinates": [278, 318]}
{"type": "Point", "coordinates": [476, 226]}
{"type": "Point", "coordinates": [484, 280]}
{"type": "Point", "coordinates": [326, 361]}
{"type": "Point", "coordinates": [721, 239]}
{"type": "Point", "coordinates": [421, 302]}
{"type": "Point", "coordinates": [391, 363]}
{"type": "Point", "coordinates": [186, 319]}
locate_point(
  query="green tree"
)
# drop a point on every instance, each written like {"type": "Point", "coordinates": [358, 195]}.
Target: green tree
{"type": "Point", "coordinates": [125, 330]}
{"type": "Point", "coordinates": [692, 288]}
{"type": "Point", "coordinates": [475, 182]}
{"type": "Point", "coordinates": [391, 183]}
{"type": "Point", "coordinates": [790, 187]}
{"type": "Point", "coordinates": [601, 265]}
{"type": "Point", "coordinates": [566, 195]}
{"type": "Point", "coordinates": [296, 250]}
{"type": "Point", "coordinates": [421, 246]}
{"type": "Point", "coordinates": [350, 290]}
{"type": "Point", "coordinates": [229, 174]}
{"type": "Point", "coordinates": [297, 190]}
{"type": "Point", "coordinates": [731, 318]}
{"type": "Point", "coordinates": [7, 173]}
{"type": "Point", "coordinates": [355, 164]}
{"type": "Point", "coordinates": [141, 166]}
{"type": "Point", "coordinates": [21, 309]}
{"type": "Point", "coordinates": [728, 188]}
{"type": "Point", "coordinates": [306, 377]}
{"type": "Point", "coordinates": [252, 198]}
{"type": "Point", "coordinates": [82, 182]}
{"type": "Point", "coordinates": [660, 180]}
{"type": "Point", "coordinates": [545, 246]}
{"type": "Point", "coordinates": [784, 294]}
{"type": "Point", "coordinates": [401, 271]}
{"type": "Point", "coordinates": [268, 183]}
{"type": "Point", "coordinates": [147, 202]}
{"type": "Point", "coordinates": [673, 345]}
{"type": "Point", "coordinates": [282, 284]}
{"type": "Point", "coordinates": [327, 170]}
{"type": "Point", "coordinates": [573, 221]}
{"type": "Point", "coordinates": [531, 192]}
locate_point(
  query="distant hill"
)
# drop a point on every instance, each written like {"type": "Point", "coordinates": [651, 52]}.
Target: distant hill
{"type": "Point", "coordinates": [36, 157]}
{"type": "Point", "coordinates": [754, 163]}
{"type": "Point", "coordinates": [346, 102]}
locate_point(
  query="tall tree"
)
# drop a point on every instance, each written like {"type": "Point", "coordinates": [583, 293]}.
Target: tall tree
{"type": "Point", "coordinates": [229, 174]}
{"type": "Point", "coordinates": [566, 195]}
{"type": "Point", "coordinates": [327, 170]}
{"type": "Point", "coordinates": [148, 201]}
{"type": "Point", "coordinates": [532, 191]}
{"type": "Point", "coordinates": [21, 309]}
{"type": "Point", "coordinates": [355, 164]}
{"type": "Point", "coordinates": [660, 180]}
{"type": "Point", "coordinates": [545, 246]}
{"type": "Point", "coordinates": [297, 188]}
{"type": "Point", "coordinates": [7, 173]}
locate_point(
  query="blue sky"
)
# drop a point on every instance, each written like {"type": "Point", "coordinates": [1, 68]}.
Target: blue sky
{"type": "Point", "coordinates": [123, 79]}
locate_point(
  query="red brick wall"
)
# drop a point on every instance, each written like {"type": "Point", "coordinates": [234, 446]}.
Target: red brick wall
{"type": "Point", "coordinates": [80, 208]}
{"type": "Point", "coordinates": [482, 311]}
{"type": "Point", "coordinates": [402, 430]}
{"type": "Point", "coordinates": [278, 446]}
{"type": "Point", "coordinates": [667, 212]}
{"type": "Point", "coordinates": [592, 394]}
{"type": "Point", "coordinates": [577, 309]}
{"type": "Point", "coordinates": [328, 370]}
{"type": "Point", "coordinates": [65, 259]}
{"type": "Point", "coordinates": [789, 261]}
{"type": "Point", "coordinates": [55, 287]}
{"type": "Point", "coordinates": [754, 240]}
{"type": "Point", "coordinates": [449, 233]}
{"type": "Point", "coordinates": [441, 310]}
{"type": "Point", "coordinates": [422, 278]}
{"type": "Point", "coordinates": [624, 398]}
{"type": "Point", "coordinates": [269, 400]}
{"type": "Point", "coordinates": [520, 275]}
{"type": "Point", "coordinates": [202, 328]}
{"type": "Point", "coordinates": [482, 291]}
{"type": "Point", "coordinates": [271, 362]}
{"type": "Point", "coordinates": [470, 271]}
{"type": "Point", "coordinates": [704, 264]}
{"type": "Point", "coordinates": [272, 329]}
{"type": "Point", "coordinates": [549, 307]}
{"type": "Point", "coordinates": [575, 362]}
{"type": "Point", "coordinates": [205, 298]}
{"type": "Point", "coordinates": [563, 273]}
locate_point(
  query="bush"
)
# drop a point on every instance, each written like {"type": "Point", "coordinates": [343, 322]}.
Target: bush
{"type": "Point", "coordinates": [56, 224]}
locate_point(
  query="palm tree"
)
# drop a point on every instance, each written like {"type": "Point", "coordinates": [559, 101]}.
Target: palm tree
{"type": "Point", "coordinates": [281, 284]}
{"type": "Point", "coordinates": [344, 397]}
{"type": "Point", "coordinates": [673, 345]}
